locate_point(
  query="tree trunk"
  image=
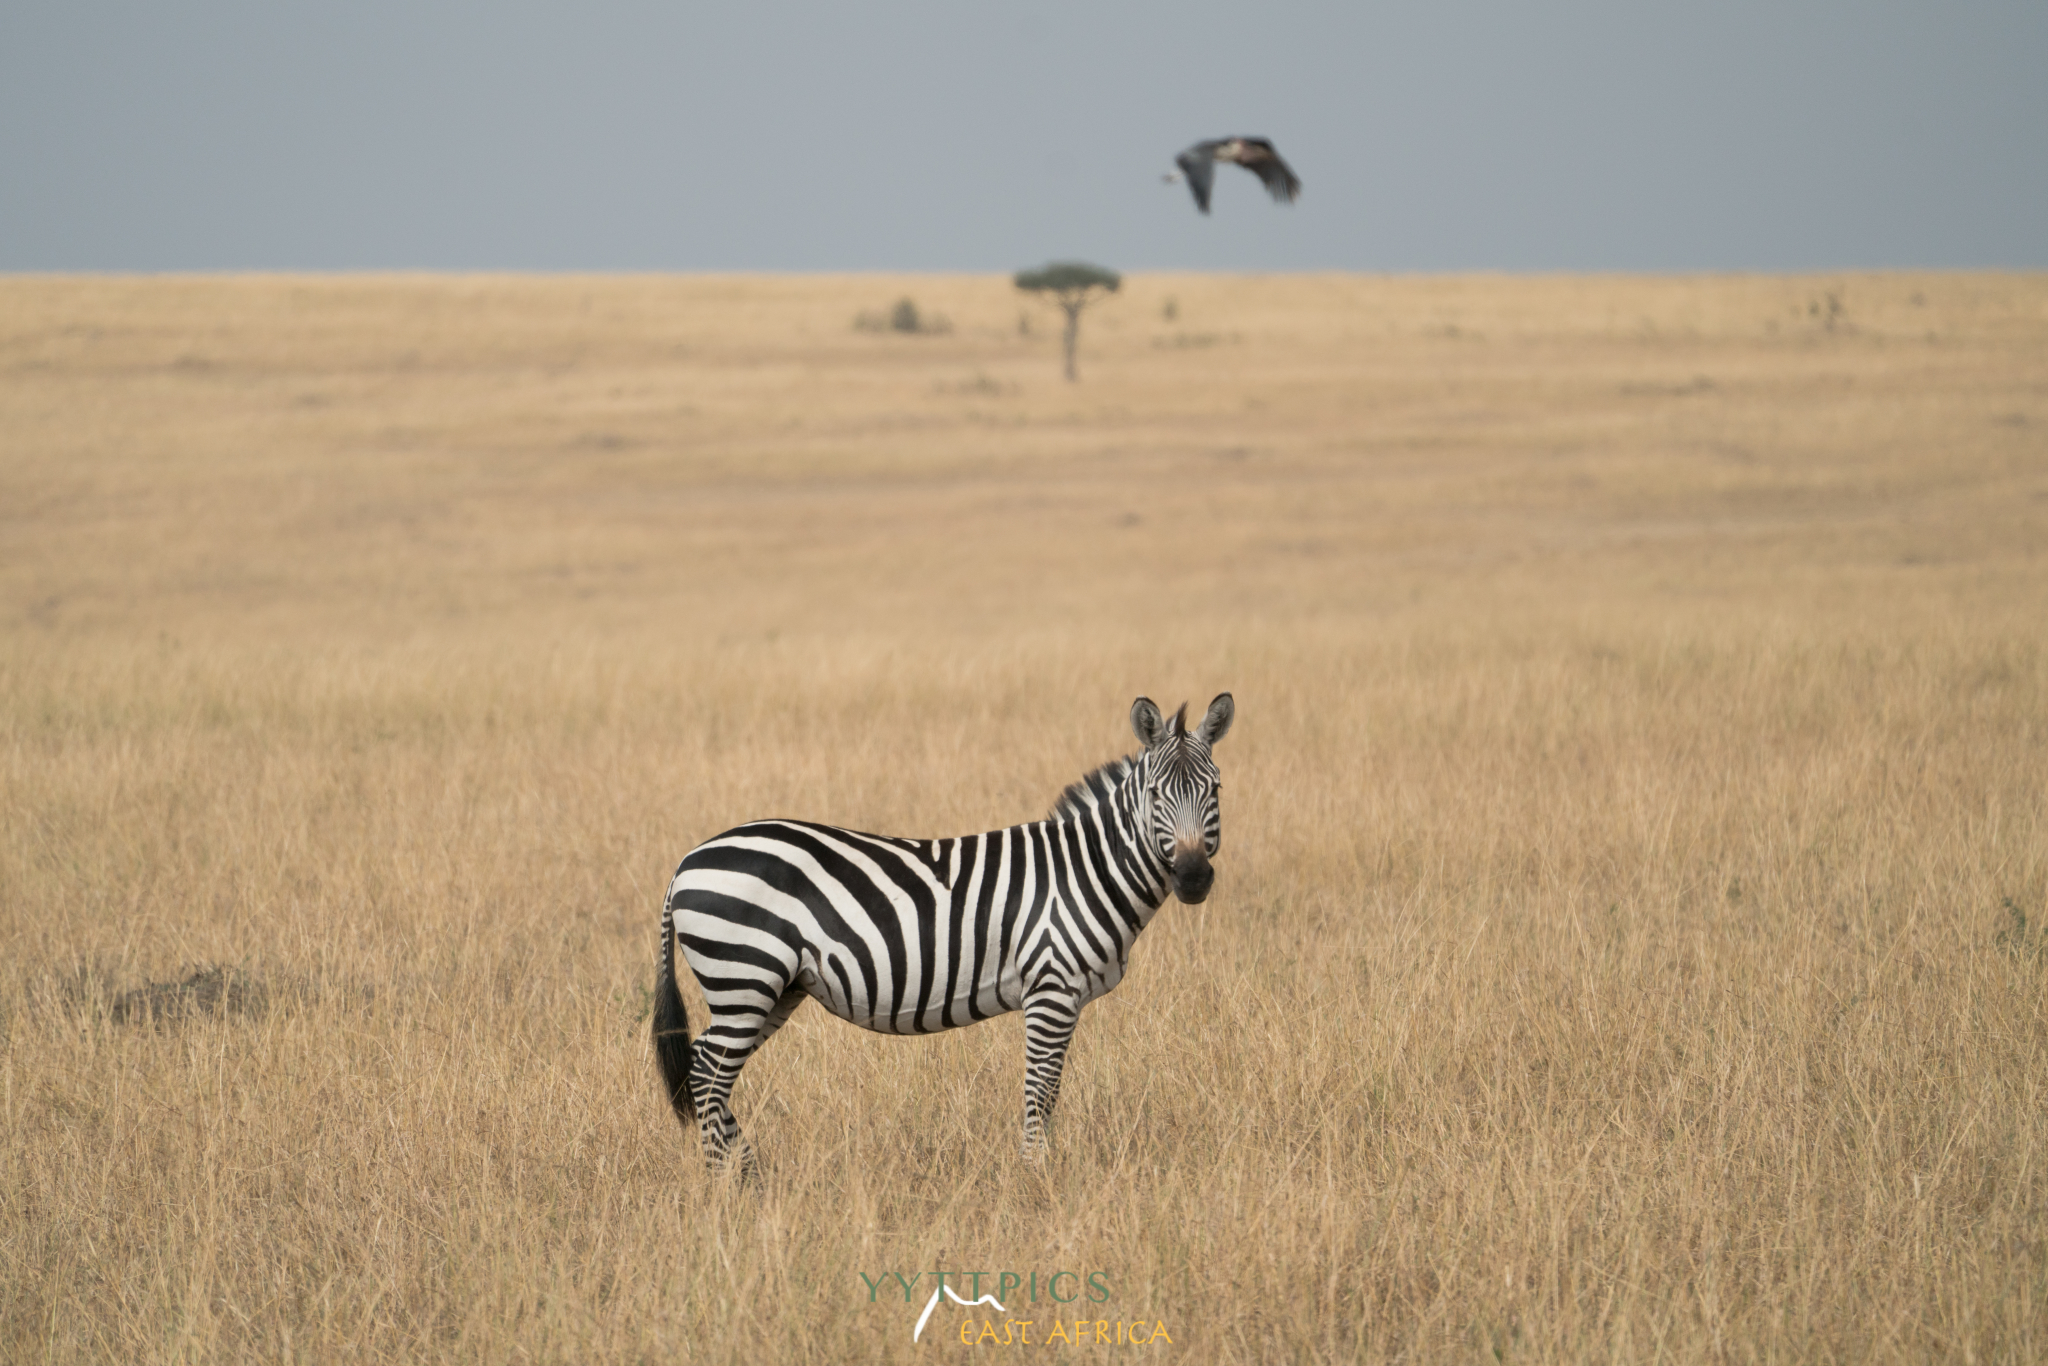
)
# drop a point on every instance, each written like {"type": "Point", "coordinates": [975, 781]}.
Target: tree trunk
{"type": "Point", "coordinates": [1073, 307]}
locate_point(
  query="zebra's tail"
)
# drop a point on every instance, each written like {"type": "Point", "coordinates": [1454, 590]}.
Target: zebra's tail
{"type": "Point", "coordinates": [672, 1023]}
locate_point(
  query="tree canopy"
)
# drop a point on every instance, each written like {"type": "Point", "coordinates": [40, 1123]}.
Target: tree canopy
{"type": "Point", "coordinates": [1063, 277]}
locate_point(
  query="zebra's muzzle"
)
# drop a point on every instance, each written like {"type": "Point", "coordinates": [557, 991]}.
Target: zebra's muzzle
{"type": "Point", "coordinates": [1192, 875]}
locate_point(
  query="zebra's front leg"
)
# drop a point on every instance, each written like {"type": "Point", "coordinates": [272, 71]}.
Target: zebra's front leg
{"type": "Point", "coordinates": [715, 1063]}
{"type": "Point", "coordinates": [1050, 1013]}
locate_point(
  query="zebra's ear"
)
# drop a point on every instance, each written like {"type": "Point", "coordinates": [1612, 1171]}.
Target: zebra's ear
{"type": "Point", "coordinates": [1147, 722]}
{"type": "Point", "coordinates": [1217, 723]}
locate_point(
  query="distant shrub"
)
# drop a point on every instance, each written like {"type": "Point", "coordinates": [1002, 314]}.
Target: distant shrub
{"type": "Point", "coordinates": [1827, 310]}
{"type": "Point", "coordinates": [1191, 341]}
{"type": "Point", "coordinates": [982, 384]}
{"type": "Point", "coordinates": [904, 317]}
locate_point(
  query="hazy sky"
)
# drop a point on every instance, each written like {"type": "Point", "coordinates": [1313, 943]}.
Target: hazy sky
{"type": "Point", "coordinates": [215, 135]}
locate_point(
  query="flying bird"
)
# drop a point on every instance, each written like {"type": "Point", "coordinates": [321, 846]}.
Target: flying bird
{"type": "Point", "coordinates": [1256, 155]}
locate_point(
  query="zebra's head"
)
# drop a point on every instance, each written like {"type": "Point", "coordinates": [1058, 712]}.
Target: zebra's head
{"type": "Point", "coordinates": [1178, 787]}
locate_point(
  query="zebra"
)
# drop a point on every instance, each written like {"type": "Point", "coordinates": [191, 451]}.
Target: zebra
{"type": "Point", "coordinates": [906, 936]}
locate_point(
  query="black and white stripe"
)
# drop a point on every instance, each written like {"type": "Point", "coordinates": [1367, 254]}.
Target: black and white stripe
{"type": "Point", "coordinates": [912, 936]}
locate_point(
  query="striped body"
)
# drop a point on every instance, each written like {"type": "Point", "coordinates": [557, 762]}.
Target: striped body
{"type": "Point", "coordinates": [908, 936]}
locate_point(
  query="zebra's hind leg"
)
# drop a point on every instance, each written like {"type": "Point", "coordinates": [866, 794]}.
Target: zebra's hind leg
{"type": "Point", "coordinates": [1050, 1014]}
{"type": "Point", "coordinates": [715, 1063]}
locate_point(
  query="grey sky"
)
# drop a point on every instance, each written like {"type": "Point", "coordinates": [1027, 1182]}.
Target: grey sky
{"type": "Point", "coordinates": [948, 136]}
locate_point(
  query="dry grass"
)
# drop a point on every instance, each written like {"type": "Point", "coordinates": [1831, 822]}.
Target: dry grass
{"type": "Point", "coordinates": [1629, 936]}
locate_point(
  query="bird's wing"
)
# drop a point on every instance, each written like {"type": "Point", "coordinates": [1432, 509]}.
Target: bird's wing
{"type": "Point", "coordinates": [1195, 164]}
{"type": "Point", "coordinates": [1278, 176]}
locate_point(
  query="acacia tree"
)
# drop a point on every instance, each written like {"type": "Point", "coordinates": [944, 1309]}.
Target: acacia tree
{"type": "Point", "coordinates": [1073, 285]}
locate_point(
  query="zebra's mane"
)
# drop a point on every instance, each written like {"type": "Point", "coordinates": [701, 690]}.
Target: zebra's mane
{"type": "Point", "coordinates": [1093, 790]}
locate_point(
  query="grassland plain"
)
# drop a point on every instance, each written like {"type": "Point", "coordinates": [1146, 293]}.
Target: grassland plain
{"type": "Point", "coordinates": [1629, 933]}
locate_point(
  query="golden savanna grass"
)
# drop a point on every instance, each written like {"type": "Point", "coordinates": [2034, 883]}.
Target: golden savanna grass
{"type": "Point", "coordinates": [1628, 940]}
